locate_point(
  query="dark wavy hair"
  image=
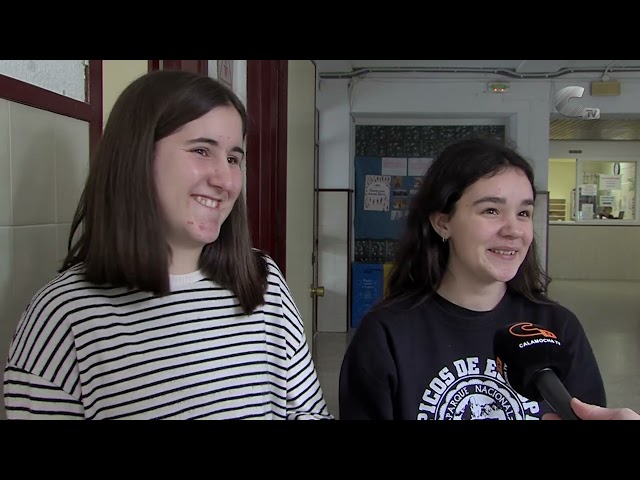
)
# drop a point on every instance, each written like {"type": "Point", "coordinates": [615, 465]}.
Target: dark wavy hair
{"type": "Point", "coordinates": [421, 255]}
{"type": "Point", "coordinates": [122, 241]}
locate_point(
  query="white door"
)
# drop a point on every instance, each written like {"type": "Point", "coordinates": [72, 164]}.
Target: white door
{"type": "Point", "coordinates": [301, 102]}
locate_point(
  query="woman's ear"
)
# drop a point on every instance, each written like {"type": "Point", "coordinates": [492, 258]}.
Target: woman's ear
{"type": "Point", "coordinates": [440, 223]}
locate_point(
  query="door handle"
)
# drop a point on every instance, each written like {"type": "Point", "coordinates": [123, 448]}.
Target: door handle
{"type": "Point", "coordinates": [318, 291]}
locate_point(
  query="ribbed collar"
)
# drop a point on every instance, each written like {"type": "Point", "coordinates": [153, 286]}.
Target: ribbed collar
{"type": "Point", "coordinates": [177, 281]}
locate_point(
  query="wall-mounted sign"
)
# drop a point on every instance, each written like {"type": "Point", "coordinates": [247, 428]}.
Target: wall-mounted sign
{"type": "Point", "coordinates": [610, 182]}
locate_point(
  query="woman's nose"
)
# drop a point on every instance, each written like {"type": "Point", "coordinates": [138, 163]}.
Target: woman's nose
{"type": "Point", "coordinates": [512, 227]}
{"type": "Point", "coordinates": [220, 174]}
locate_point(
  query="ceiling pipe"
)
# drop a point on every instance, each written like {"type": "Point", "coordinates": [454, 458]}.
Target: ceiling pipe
{"type": "Point", "coordinates": [359, 72]}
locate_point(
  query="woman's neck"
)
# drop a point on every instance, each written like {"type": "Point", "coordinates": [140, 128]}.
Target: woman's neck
{"type": "Point", "coordinates": [184, 261]}
{"type": "Point", "coordinates": [469, 295]}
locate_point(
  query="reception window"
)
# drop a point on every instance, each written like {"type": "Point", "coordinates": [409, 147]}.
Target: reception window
{"type": "Point", "coordinates": [593, 191]}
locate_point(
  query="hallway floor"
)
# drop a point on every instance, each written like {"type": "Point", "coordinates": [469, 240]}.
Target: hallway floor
{"type": "Point", "coordinates": [609, 312]}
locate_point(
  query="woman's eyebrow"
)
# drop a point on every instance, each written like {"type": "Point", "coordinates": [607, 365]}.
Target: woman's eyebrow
{"type": "Point", "coordinates": [213, 143]}
{"type": "Point", "coordinates": [502, 201]}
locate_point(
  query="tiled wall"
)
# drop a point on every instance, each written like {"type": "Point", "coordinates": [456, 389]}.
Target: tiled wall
{"type": "Point", "coordinates": [416, 140]}
{"type": "Point", "coordinates": [44, 159]}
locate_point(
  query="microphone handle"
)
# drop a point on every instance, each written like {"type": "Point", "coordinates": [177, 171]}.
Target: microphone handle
{"type": "Point", "coordinates": [555, 393]}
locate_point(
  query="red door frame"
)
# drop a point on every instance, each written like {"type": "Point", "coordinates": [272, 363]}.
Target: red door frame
{"type": "Point", "coordinates": [267, 157]}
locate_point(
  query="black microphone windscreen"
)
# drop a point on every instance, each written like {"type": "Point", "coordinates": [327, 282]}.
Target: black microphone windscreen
{"type": "Point", "coordinates": [524, 349]}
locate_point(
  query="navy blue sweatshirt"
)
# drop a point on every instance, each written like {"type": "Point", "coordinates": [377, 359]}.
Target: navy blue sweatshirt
{"type": "Point", "coordinates": [435, 361]}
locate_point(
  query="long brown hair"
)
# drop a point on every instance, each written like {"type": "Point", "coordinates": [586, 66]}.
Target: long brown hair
{"type": "Point", "coordinates": [122, 240]}
{"type": "Point", "coordinates": [421, 256]}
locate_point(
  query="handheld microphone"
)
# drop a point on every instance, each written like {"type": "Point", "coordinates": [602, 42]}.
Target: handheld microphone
{"type": "Point", "coordinates": [534, 362]}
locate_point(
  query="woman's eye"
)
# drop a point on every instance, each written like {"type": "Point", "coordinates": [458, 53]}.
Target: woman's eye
{"type": "Point", "coordinates": [491, 211]}
{"type": "Point", "coordinates": [201, 151]}
{"type": "Point", "coordinates": [233, 160]}
{"type": "Point", "coordinates": [526, 213]}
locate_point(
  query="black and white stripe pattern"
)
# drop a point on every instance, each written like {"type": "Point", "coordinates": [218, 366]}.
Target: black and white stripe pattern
{"type": "Point", "coordinates": [83, 351]}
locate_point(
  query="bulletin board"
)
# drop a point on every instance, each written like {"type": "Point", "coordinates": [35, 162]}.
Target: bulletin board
{"type": "Point", "coordinates": [384, 188]}
{"type": "Point", "coordinates": [389, 165]}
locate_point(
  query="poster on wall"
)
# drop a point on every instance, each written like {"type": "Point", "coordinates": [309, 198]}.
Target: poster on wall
{"type": "Point", "coordinates": [383, 194]}
{"type": "Point", "coordinates": [376, 193]}
{"type": "Point", "coordinates": [400, 197]}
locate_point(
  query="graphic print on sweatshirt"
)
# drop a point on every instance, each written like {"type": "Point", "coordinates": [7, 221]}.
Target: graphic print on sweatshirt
{"type": "Point", "coordinates": [469, 390]}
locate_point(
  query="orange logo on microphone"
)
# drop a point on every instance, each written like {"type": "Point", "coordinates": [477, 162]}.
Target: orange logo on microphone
{"type": "Point", "coordinates": [528, 329]}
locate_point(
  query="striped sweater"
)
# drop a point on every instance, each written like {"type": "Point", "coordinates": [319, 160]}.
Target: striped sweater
{"type": "Point", "coordinates": [94, 352]}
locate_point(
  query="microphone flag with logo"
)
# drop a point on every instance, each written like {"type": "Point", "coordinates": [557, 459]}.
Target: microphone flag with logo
{"type": "Point", "coordinates": [522, 350]}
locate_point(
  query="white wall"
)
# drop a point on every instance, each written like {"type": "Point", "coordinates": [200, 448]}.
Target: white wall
{"type": "Point", "coordinates": [335, 134]}
{"type": "Point", "coordinates": [116, 76]}
{"type": "Point", "coordinates": [524, 111]}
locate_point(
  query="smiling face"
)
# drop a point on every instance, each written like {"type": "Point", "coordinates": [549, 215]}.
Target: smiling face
{"type": "Point", "coordinates": [198, 178]}
{"type": "Point", "coordinates": [490, 230]}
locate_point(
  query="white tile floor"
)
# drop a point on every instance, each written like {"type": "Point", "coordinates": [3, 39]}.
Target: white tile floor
{"type": "Point", "coordinates": [609, 312]}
